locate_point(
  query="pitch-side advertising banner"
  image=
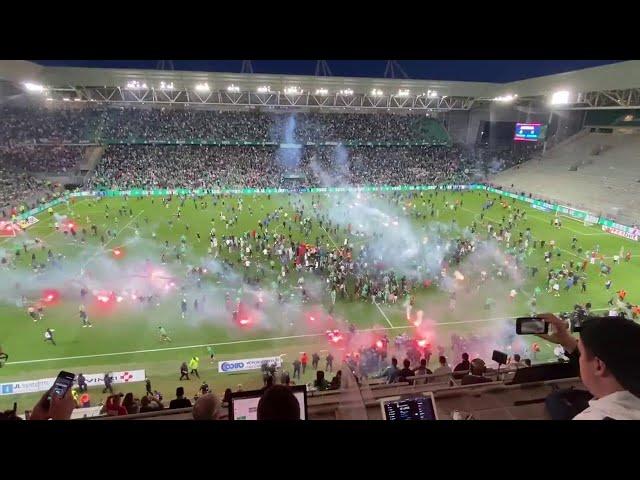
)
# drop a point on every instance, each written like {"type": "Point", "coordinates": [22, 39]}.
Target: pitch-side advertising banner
{"type": "Point", "coordinates": [44, 384]}
{"type": "Point", "coordinates": [232, 366]}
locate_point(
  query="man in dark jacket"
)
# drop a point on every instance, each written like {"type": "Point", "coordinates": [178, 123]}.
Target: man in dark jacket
{"type": "Point", "coordinates": [296, 368]}
{"type": "Point", "coordinates": [108, 380]}
{"type": "Point", "coordinates": [329, 366]}
{"type": "Point", "coordinates": [82, 383]}
{"type": "Point", "coordinates": [406, 372]}
{"type": "Point", "coordinates": [184, 371]}
{"type": "Point", "coordinates": [180, 401]}
{"type": "Point", "coordinates": [315, 358]}
{"type": "Point", "coordinates": [464, 366]}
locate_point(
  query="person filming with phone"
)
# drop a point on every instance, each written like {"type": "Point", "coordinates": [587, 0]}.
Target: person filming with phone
{"type": "Point", "coordinates": [608, 356]}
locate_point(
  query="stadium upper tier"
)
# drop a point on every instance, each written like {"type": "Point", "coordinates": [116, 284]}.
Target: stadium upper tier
{"type": "Point", "coordinates": [157, 125]}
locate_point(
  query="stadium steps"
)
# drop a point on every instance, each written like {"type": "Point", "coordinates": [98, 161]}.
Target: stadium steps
{"type": "Point", "coordinates": [606, 183]}
{"type": "Point", "coordinates": [563, 143]}
{"type": "Point", "coordinates": [92, 156]}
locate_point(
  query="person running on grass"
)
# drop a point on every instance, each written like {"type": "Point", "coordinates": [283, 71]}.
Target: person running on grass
{"type": "Point", "coordinates": [48, 336]}
{"type": "Point", "coordinates": [84, 317]}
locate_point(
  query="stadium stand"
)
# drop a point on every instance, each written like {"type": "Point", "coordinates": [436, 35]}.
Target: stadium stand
{"type": "Point", "coordinates": [192, 147]}
{"type": "Point", "coordinates": [497, 400]}
{"type": "Point", "coordinates": [598, 171]}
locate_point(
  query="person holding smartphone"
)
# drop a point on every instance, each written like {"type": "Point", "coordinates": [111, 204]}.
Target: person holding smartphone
{"type": "Point", "coordinates": [608, 357]}
{"type": "Point", "coordinates": [57, 403]}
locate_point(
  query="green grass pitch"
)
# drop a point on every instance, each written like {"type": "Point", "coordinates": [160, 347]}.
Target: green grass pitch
{"type": "Point", "coordinates": [127, 337]}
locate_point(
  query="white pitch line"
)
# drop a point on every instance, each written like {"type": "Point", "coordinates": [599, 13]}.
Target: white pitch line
{"type": "Point", "coordinates": [535, 217]}
{"type": "Point", "coordinates": [103, 247]}
{"type": "Point", "coordinates": [383, 314]}
{"type": "Point", "coordinates": [325, 231]}
{"type": "Point", "coordinates": [237, 342]}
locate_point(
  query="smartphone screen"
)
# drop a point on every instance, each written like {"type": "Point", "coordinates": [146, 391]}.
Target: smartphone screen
{"type": "Point", "coordinates": [531, 326]}
{"type": "Point", "coordinates": [63, 383]}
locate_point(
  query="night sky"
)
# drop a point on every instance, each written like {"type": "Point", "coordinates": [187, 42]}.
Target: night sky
{"type": "Point", "coordinates": [500, 71]}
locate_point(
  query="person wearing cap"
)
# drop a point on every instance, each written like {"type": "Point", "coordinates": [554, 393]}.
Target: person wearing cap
{"type": "Point", "coordinates": [608, 357]}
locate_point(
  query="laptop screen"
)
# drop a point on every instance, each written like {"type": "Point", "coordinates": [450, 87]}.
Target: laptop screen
{"type": "Point", "coordinates": [417, 408]}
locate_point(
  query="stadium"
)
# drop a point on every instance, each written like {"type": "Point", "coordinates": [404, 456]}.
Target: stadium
{"type": "Point", "coordinates": [250, 236]}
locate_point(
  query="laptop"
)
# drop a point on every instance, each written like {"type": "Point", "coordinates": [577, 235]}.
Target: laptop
{"type": "Point", "coordinates": [409, 407]}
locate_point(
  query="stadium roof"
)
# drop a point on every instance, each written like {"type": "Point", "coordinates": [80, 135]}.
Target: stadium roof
{"type": "Point", "coordinates": [616, 85]}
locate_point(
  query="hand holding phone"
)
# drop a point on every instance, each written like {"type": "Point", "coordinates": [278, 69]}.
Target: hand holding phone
{"type": "Point", "coordinates": [57, 403]}
{"type": "Point", "coordinates": [62, 384]}
{"type": "Point", "coordinates": [558, 332]}
{"type": "Point", "coordinates": [531, 326]}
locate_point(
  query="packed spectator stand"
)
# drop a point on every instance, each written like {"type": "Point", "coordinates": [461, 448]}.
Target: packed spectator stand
{"type": "Point", "coordinates": [211, 149]}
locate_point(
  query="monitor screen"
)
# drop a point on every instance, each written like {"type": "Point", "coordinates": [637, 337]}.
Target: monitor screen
{"type": "Point", "coordinates": [244, 405]}
{"type": "Point", "coordinates": [415, 408]}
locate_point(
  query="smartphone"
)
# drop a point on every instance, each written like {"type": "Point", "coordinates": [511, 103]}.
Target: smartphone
{"type": "Point", "coordinates": [531, 326]}
{"type": "Point", "coordinates": [63, 383]}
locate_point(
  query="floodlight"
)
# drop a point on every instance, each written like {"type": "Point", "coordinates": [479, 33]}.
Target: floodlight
{"type": "Point", "coordinates": [233, 88]}
{"type": "Point", "coordinates": [202, 87]}
{"type": "Point", "coordinates": [166, 86]}
{"type": "Point", "coordinates": [560, 98]}
{"type": "Point", "coordinates": [292, 91]}
{"type": "Point", "coordinates": [322, 91]}
{"type": "Point", "coordinates": [264, 89]}
{"type": "Point", "coordinates": [135, 85]}
{"type": "Point", "coordinates": [376, 93]}
{"type": "Point", "coordinates": [66, 99]}
{"type": "Point", "coordinates": [346, 92]}
{"type": "Point", "coordinates": [505, 98]}
{"type": "Point", "coordinates": [403, 92]}
{"type": "Point", "coordinates": [33, 87]}
{"type": "Point", "coordinates": [432, 93]}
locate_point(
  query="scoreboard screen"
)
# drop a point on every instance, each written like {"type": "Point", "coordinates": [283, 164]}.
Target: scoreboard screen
{"type": "Point", "coordinates": [529, 132]}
